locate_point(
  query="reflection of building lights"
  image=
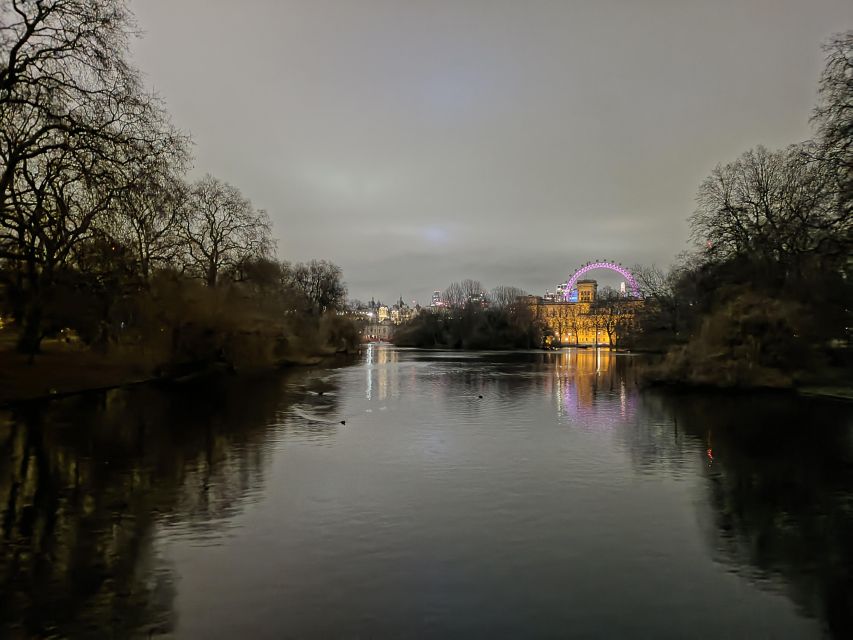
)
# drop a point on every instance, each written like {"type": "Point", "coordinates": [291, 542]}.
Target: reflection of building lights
{"type": "Point", "coordinates": [579, 377]}
{"type": "Point", "coordinates": [369, 356]}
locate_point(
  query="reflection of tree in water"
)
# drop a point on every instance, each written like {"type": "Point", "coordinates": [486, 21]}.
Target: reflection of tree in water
{"type": "Point", "coordinates": [84, 481]}
{"type": "Point", "coordinates": [780, 473]}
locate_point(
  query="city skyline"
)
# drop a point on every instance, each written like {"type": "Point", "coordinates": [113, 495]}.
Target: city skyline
{"type": "Point", "coordinates": [603, 277]}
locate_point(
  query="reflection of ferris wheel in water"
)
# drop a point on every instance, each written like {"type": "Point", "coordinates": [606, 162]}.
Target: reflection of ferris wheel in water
{"type": "Point", "coordinates": [570, 292]}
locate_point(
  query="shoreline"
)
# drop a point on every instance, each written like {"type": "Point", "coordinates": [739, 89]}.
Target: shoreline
{"type": "Point", "coordinates": [61, 373]}
{"type": "Point", "coordinates": [826, 392]}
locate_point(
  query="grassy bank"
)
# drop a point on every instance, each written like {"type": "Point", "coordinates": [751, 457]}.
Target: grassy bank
{"type": "Point", "coordinates": [66, 365]}
{"type": "Point", "coordinates": [62, 369]}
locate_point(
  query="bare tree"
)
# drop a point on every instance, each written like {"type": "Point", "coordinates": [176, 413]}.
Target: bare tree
{"type": "Point", "coordinates": [561, 315]}
{"type": "Point", "coordinates": [834, 117]}
{"type": "Point", "coordinates": [770, 206]}
{"type": "Point", "coordinates": [59, 200]}
{"type": "Point", "coordinates": [222, 229]}
{"type": "Point", "coordinates": [661, 291]}
{"type": "Point", "coordinates": [609, 311]}
{"type": "Point", "coordinates": [503, 296]}
{"type": "Point", "coordinates": [151, 219]}
{"type": "Point", "coordinates": [472, 291]}
{"type": "Point", "coordinates": [75, 128]}
{"type": "Point", "coordinates": [575, 320]}
{"type": "Point", "coordinates": [65, 84]}
{"type": "Point", "coordinates": [321, 284]}
{"type": "Point", "coordinates": [454, 295]}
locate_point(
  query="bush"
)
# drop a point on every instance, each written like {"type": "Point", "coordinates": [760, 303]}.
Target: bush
{"type": "Point", "coordinates": [751, 341]}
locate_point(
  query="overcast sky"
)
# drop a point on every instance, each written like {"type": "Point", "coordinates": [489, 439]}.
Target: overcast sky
{"type": "Point", "coordinates": [419, 142]}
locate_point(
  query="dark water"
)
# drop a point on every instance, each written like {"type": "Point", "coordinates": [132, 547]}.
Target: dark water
{"type": "Point", "coordinates": [563, 503]}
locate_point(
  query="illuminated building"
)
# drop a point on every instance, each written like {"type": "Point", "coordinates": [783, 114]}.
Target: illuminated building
{"type": "Point", "coordinates": [575, 317]}
{"type": "Point", "coordinates": [401, 313]}
{"type": "Point", "coordinates": [587, 290]}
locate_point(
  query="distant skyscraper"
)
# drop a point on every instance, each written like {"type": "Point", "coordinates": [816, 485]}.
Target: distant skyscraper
{"type": "Point", "coordinates": [622, 288]}
{"type": "Point", "coordinates": [436, 299]}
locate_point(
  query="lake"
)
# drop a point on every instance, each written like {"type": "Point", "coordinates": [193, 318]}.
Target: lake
{"type": "Point", "coordinates": [428, 494]}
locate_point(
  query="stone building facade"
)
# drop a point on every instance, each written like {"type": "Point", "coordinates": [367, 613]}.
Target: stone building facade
{"type": "Point", "coordinates": [588, 322]}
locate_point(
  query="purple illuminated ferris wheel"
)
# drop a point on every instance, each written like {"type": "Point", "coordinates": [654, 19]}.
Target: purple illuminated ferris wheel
{"type": "Point", "coordinates": [604, 264]}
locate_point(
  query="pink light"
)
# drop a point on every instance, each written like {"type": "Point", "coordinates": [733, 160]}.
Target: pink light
{"type": "Point", "coordinates": [612, 266]}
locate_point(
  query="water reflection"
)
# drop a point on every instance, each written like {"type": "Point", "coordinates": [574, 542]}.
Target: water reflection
{"type": "Point", "coordinates": [589, 380]}
{"type": "Point", "coordinates": [477, 493]}
{"type": "Point", "coordinates": [779, 473]}
{"type": "Point", "coordinates": [382, 379]}
{"type": "Point", "coordinates": [87, 482]}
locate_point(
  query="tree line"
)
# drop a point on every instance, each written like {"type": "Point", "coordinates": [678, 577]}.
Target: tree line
{"type": "Point", "coordinates": [99, 224]}
{"type": "Point", "coordinates": [475, 318]}
{"type": "Point", "coordinates": [764, 294]}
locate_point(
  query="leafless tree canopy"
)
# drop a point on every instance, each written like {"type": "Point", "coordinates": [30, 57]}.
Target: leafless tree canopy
{"type": "Point", "coordinates": [76, 130]}
{"type": "Point", "coordinates": [771, 205]}
{"type": "Point", "coordinates": [92, 191]}
{"type": "Point", "coordinates": [150, 219]}
{"type": "Point", "coordinates": [65, 84]}
{"type": "Point", "coordinates": [460, 294]}
{"type": "Point", "coordinates": [503, 296]}
{"type": "Point", "coordinates": [472, 289]}
{"type": "Point", "coordinates": [320, 283]}
{"type": "Point", "coordinates": [454, 295]}
{"type": "Point", "coordinates": [834, 113]}
{"type": "Point", "coordinates": [222, 229]}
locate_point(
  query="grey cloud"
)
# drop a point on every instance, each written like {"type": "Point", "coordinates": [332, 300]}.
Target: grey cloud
{"type": "Point", "coordinates": [419, 142]}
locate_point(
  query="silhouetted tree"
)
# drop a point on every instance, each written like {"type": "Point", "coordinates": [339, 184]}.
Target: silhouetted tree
{"type": "Point", "coordinates": [503, 296]}
{"type": "Point", "coordinates": [222, 229]}
{"type": "Point", "coordinates": [454, 295]}
{"type": "Point", "coordinates": [612, 313]}
{"type": "Point", "coordinates": [776, 207]}
{"type": "Point", "coordinates": [834, 119]}
{"type": "Point", "coordinates": [77, 126]}
{"type": "Point", "coordinates": [664, 297]}
{"type": "Point", "coordinates": [472, 291]}
{"type": "Point", "coordinates": [321, 284]}
{"type": "Point", "coordinates": [152, 213]}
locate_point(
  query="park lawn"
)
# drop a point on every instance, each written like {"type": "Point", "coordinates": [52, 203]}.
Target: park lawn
{"type": "Point", "coordinates": [63, 368]}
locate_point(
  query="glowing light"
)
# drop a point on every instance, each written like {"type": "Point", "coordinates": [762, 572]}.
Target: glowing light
{"type": "Point", "coordinates": [612, 266]}
{"type": "Point", "coordinates": [436, 235]}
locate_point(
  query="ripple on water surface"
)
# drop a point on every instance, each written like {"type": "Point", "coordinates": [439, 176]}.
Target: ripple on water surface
{"type": "Point", "coordinates": [428, 494]}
